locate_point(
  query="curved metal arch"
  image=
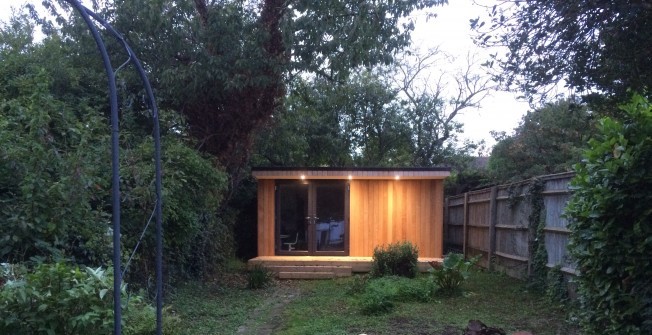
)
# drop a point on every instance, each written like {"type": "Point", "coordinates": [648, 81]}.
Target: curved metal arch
{"type": "Point", "coordinates": [87, 14]}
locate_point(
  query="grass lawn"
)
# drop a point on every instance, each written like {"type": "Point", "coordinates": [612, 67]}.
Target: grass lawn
{"type": "Point", "coordinates": [327, 307]}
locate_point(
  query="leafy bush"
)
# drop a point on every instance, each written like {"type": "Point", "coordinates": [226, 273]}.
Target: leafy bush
{"type": "Point", "coordinates": [376, 302]}
{"type": "Point", "coordinates": [380, 294]}
{"type": "Point", "coordinates": [453, 271]}
{"type": "Point", "coordinates": [55, 167]}
{"type": "Point", "coordinates": [259, 277]}
{"type": "Point", "coordinates": [556, 288]}
{"type": "Point", "coordinates": [611, 225]}
{"type": "Point", "coordinates": [396, 259]}
{"type": "Point", "coordinates": [139, 318]}
{"type": "Point", "coordinates": [63, 299]}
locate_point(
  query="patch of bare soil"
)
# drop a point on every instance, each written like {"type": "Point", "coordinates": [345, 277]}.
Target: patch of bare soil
{"type": "Point", "coordinates": [266, 318]}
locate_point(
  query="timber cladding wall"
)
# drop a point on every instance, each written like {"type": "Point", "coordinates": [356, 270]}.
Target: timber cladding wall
{"type": "Point", "coordinates": [266, 210]}
{"type": "Point", "coordinates": [386, 211]}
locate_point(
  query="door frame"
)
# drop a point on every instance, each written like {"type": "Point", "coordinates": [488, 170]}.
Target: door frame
{"type": "Point", "coordinates": [312, 203]}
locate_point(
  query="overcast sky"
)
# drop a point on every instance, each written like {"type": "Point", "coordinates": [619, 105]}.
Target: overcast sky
{"type": "Point", "coordinates": [451, 33]}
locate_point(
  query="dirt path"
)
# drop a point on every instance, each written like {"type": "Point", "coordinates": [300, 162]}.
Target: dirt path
{"type": "Point", "coordinates": [267, 317]}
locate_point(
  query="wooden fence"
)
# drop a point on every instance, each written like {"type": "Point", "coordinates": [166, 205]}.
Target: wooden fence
{"type": "Point", "coordinates": [494, 223]}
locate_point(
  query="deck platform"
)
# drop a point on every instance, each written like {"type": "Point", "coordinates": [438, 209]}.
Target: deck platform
{"type": "Point", "coordinates": [322, 266]}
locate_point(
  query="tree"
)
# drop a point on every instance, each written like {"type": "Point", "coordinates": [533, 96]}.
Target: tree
{"type": "Point", "coordinates": [225, 64]}
{"type": "Point", "coordinates": [339, 124]}
{"type": "Point", "coordinates": [55, 168]}
{"type": "Point", "coordinates": [432, 107]}
{"type": "Point", "coordinates": [594, 46]}
{"type": "Point", "coordinates": [611, 224]}
{"type": "Point", "coordinates": [548, 140]}
{"type": "Point", "coordinates": [392, 115]}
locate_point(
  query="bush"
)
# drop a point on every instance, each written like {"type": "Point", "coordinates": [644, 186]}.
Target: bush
{"type": "Point", "coordinates": [380, 294]}
{"type": "Point", "coordinates": [611, 225]}
{"type": "Point", "coordinates": [453, 271]}
{"type": "Point", "coordinates": [397, 259]}
{"type": "Point", "coordinates": [63, 299]}
{"type": "Point", "coordinates": [376, 302]}
{"type": "Point", "coordinates": [259, 277]}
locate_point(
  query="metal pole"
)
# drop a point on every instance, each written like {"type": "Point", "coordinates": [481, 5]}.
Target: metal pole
{"type": "Point", "coordinates": [158, 170]}
{"type": "Point", "coordinates": [115, 167]}
{"type": "Point", "coordinates": [157, 160]}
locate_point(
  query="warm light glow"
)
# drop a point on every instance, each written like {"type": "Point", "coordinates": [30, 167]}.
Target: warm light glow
{"type": "Point", "coordinates": [303, 177]}
{"type": "Point", "coordinates": [397, 177]}
{"type": "Point", "coordinates": [350, 177]}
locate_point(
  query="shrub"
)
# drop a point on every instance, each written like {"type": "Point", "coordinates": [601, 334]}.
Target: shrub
{"type": "Point", "coordinates": [63, 299]}
{"type": "Point", "coordinates": [397, 259]}
{"type": "Point", "coordinates": [611, 225]}
{"type": "Point", "coordinates": [376, 302]}
{"type": "Point", "coordinates": [259, 277]}
{"type": "Point", "coordinates": [380, 294]}
{"type": "Point", "coordinates": [453, 271]}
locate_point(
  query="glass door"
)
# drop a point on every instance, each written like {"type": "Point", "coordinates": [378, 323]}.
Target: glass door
{"type": "Point", "coordinates": [312, 218]}
{"type": "Point", "coordinates": [330, 216]}
{"type": "Point", "coordinates": [292, 217]}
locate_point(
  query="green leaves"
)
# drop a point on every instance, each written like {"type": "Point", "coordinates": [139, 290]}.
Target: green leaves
{"type": "Point", "coordinates": [453, 271]}
{"type": "Point", "coordinates": [60, 298]}
{"type": "Point", "coordinates": [548, 140]}
{"type": "Point", "coordinates": [609, 216]}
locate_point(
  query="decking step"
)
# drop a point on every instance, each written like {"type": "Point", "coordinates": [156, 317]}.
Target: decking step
{"type": "Point", "coordinates": [338, 271]}
{"type": "Point", "coordinates": [306, 275]}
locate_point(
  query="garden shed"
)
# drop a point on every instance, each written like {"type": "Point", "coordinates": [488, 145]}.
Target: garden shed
{"type": "Point", "coordinates": [345, 213]}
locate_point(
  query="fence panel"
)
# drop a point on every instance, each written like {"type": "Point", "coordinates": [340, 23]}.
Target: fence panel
{"type": "Point", "coordinates": [502, 234]}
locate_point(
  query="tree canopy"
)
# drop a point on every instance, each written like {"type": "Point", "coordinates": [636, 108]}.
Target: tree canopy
{"type": "Point", "coordinates": [225, 65]}
{"type": "Point", "coordinates": [385, 116]}
{"type": "Point", "coordinates": [548, 140]}
{"type": "Point", "coordinates": [601, 46]}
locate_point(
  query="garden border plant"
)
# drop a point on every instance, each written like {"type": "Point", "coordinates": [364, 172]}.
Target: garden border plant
{"type": "Point", "coordinates": [395, 259]}
{"type": "Point", "coordinates": [611, 224]}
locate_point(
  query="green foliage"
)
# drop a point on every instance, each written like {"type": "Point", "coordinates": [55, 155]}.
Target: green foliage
{"type": "Point", "coordinates": [64, 299]}
{"type": "Point", "coordinates": [381, 294]}
{"type": "Point", "coordinates": [358, 284]}
{"type": "Point", "coordinates": [58, 299]}
{"type": "Point", "coordinates": [259, 277]}
{"type": "Point", "coordinates": [376, 302]}
{"type": "Point", "coordinates": [370, 119]}
{"type": "Point", "coordinates": [556, 288]}
{"type": "Point", "coordinates": [55, 167]}
{"type": "Point", "coordinates": [589, 45]}
{"type": "Point", "coordinates": [548, 140]}
{"type": "Point", "coordinates": [53, 182]}
{"type": "Point", "coordinates": [539, 271]}
{"type": "Point", "coordinates": [139, 318]}
{"type": "Point", "coordinates": [453, 271]}
{"type": "Point", "coordinates": [396, 259]}
{"type": "Point", "coordinates": [611, 224]}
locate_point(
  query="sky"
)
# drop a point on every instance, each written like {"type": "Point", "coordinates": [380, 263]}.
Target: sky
{"type": "Point", "coordinates": [450, 31]}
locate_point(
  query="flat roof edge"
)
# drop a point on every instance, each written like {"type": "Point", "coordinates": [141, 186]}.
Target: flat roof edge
{"type": "Point", "coordinates": [310, 168]}
{"type": "Point", "coordinates": [351, 173]}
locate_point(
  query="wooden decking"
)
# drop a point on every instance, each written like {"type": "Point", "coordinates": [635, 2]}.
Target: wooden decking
{"type": "Point", "coordinates": [320, 267]}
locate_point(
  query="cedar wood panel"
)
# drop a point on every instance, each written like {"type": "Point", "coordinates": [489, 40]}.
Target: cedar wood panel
{"type": "Point", "coordinates": [381, 212]}
{"type": "Point", "coordinates": [266, 217]}
{"type": "Point", "coordinates": [386, 211]}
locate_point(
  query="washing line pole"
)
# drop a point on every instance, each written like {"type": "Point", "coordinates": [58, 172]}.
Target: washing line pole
{"type": "Point", "coordinates": [115, 157]}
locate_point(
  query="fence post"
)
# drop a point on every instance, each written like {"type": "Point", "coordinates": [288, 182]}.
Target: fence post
{"type": "Point", "coordinates": [493, 208]}
{"type": "Point", "coordinates": [465, 233]}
